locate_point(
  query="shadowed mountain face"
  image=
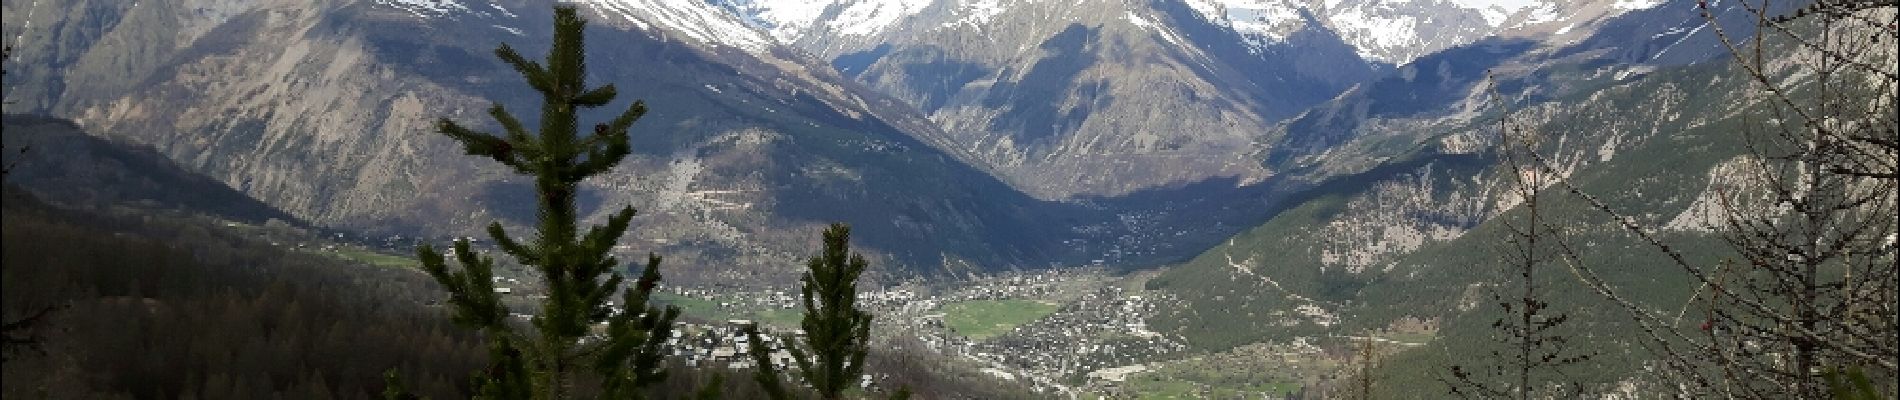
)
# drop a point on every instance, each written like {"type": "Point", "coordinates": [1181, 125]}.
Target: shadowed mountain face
{"type": "Point", "coordinates": [64, 165]}
{"type": "Point", "coordinates": [324, 110]}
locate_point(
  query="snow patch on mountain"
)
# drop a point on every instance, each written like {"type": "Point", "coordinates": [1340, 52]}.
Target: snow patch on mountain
{"type": "Point", "coordinates": [504, 11]}
{"type": "Point", "coordinates": [694, 19]}
{"type": "Point", "coordinates": [873, 16]}
{"type": "Point", "coordinates": [1261, 22]}
{"type": "Point", "coordinates": [789, 20]}
{"type": "Point", "coordinates": [1144, 23]}
{"type": "Point", "coordinates": [1385, 31]}
{"type": "Point", "coordinates": [1628, 5]}
{"type": "Point", "coordinates": [426, 8]}
{"type": "Point", "coordinates": [785, 20]}
{"type": "Point", "coordinates": [1496, 12]}
{"type": "Point", "coordinates": [1541, 15]}
{"type": "Point", "coordinates": [978, 12]}
{"type": "Point", "coordinates": [1399, 31]}
{"type": "Point", "coordinates": [1370, 32]}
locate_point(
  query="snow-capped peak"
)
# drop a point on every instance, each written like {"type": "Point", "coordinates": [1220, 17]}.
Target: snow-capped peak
{"type": "Point", "coordinates": [1397, 31]}
{"type": "Point", "coordinates": [1496, 12]}
{"type": "Point", "coordinates": [1261, 22]}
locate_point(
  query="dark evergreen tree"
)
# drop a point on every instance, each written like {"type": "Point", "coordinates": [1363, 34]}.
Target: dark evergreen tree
{"type": "Point", "coordinates": [837, 332]}
{"type": "Point", "coordinates": [17, 334]}
{"type": "Point", "coordinates": [575, 266]}
{"type": "Point", "coordinates": [766, 374]}
{"type": "Point", "coordinates": [1365, 362]}
{"type": "Point", "coordinates": [714, 389]}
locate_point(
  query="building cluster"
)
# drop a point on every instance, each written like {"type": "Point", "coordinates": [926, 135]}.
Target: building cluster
{"type": "Point", "coordinates": [1099, 335]}
{"type": "Point", "coordinates": [732, 300]}
{"type": "Point", "coordinates": [726, 344]}
{"type": "Point", "coordinates": [1102, 329]}
{"type": "Point", "coordinates": [1099, 328]}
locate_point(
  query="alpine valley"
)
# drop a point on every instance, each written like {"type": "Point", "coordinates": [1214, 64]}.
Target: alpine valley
{"type": "Point", "coordinates": [1057, 198]}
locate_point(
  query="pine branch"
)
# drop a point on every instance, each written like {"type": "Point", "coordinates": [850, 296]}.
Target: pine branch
{"type": "Point", "coordinates": [471, 290]}
{"type": "Point", "coordinates": [625, 120]}
{"type": "Point", "coordinates": [523, 254]}
{"type": "Point", "coordinates": [483, 144]}
{"type": "Point", "coordinates": [594, 98]}
{"type": "Point", "coordinates": [536, 75]}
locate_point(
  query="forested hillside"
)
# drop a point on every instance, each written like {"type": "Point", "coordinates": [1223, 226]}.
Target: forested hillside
{"type": "Point", "coordinates": [64, 165]}
{"type": "Point", "coordinates": [1657, 188]}
{"type": "Point", "coordinates": [171, 305]}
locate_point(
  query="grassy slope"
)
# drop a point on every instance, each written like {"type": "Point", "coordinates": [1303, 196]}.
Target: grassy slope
{"type": "Point", "coordinates": [1654, 178]}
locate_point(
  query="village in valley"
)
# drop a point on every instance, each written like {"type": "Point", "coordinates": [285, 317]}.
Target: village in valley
{"type": "Point", "coordinates": [1065, 331]}
{"type": "Point", "coordinates": [1069, 332]}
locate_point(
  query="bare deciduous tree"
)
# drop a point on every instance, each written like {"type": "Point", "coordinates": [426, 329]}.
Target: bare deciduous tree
{"type": "Point", "coordinates": [1530, 364]}
{"type": "Point", "coordinates": [1811, 286]}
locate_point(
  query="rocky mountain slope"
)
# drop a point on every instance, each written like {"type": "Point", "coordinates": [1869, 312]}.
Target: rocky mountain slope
{"type": "Point", "coordinates": [1105, 98]}
{"type": "Point", "coordinates": [1405, 217]}
{"type": "Point", "coordinates": [1164, 125]}
{"type": "Point", "coordinates": [323, 108]}
{"type": "Point", "coordinates": [1068, 99]}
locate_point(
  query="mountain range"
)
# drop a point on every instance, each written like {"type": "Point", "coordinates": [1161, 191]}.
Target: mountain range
{"type": "Point", "coordinates": [956, 135]}
{"type": "Point", "coordinates": [1265, 172]}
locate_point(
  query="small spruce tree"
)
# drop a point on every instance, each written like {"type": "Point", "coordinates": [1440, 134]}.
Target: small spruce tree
{"type": "Point", "coordinates": [575, 266]}
{"type": "Point", "coordinates": [766, 374]}
{"type": "Point", "coordinates": [837, 332]}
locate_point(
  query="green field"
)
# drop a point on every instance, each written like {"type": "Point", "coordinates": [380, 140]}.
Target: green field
{"type": "Point", "coordinates": [779, 317]}
{"type": "Point", "coordinates": [701, 308]}
{"type": "Point", "coordinates": [1155, 388]}
{"type": "Point", "coordinates": [983, 319]}
{"type": "Point", "coordinates": [709, 310]}
{"type": "Point", "coordinates": [371, 257]}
